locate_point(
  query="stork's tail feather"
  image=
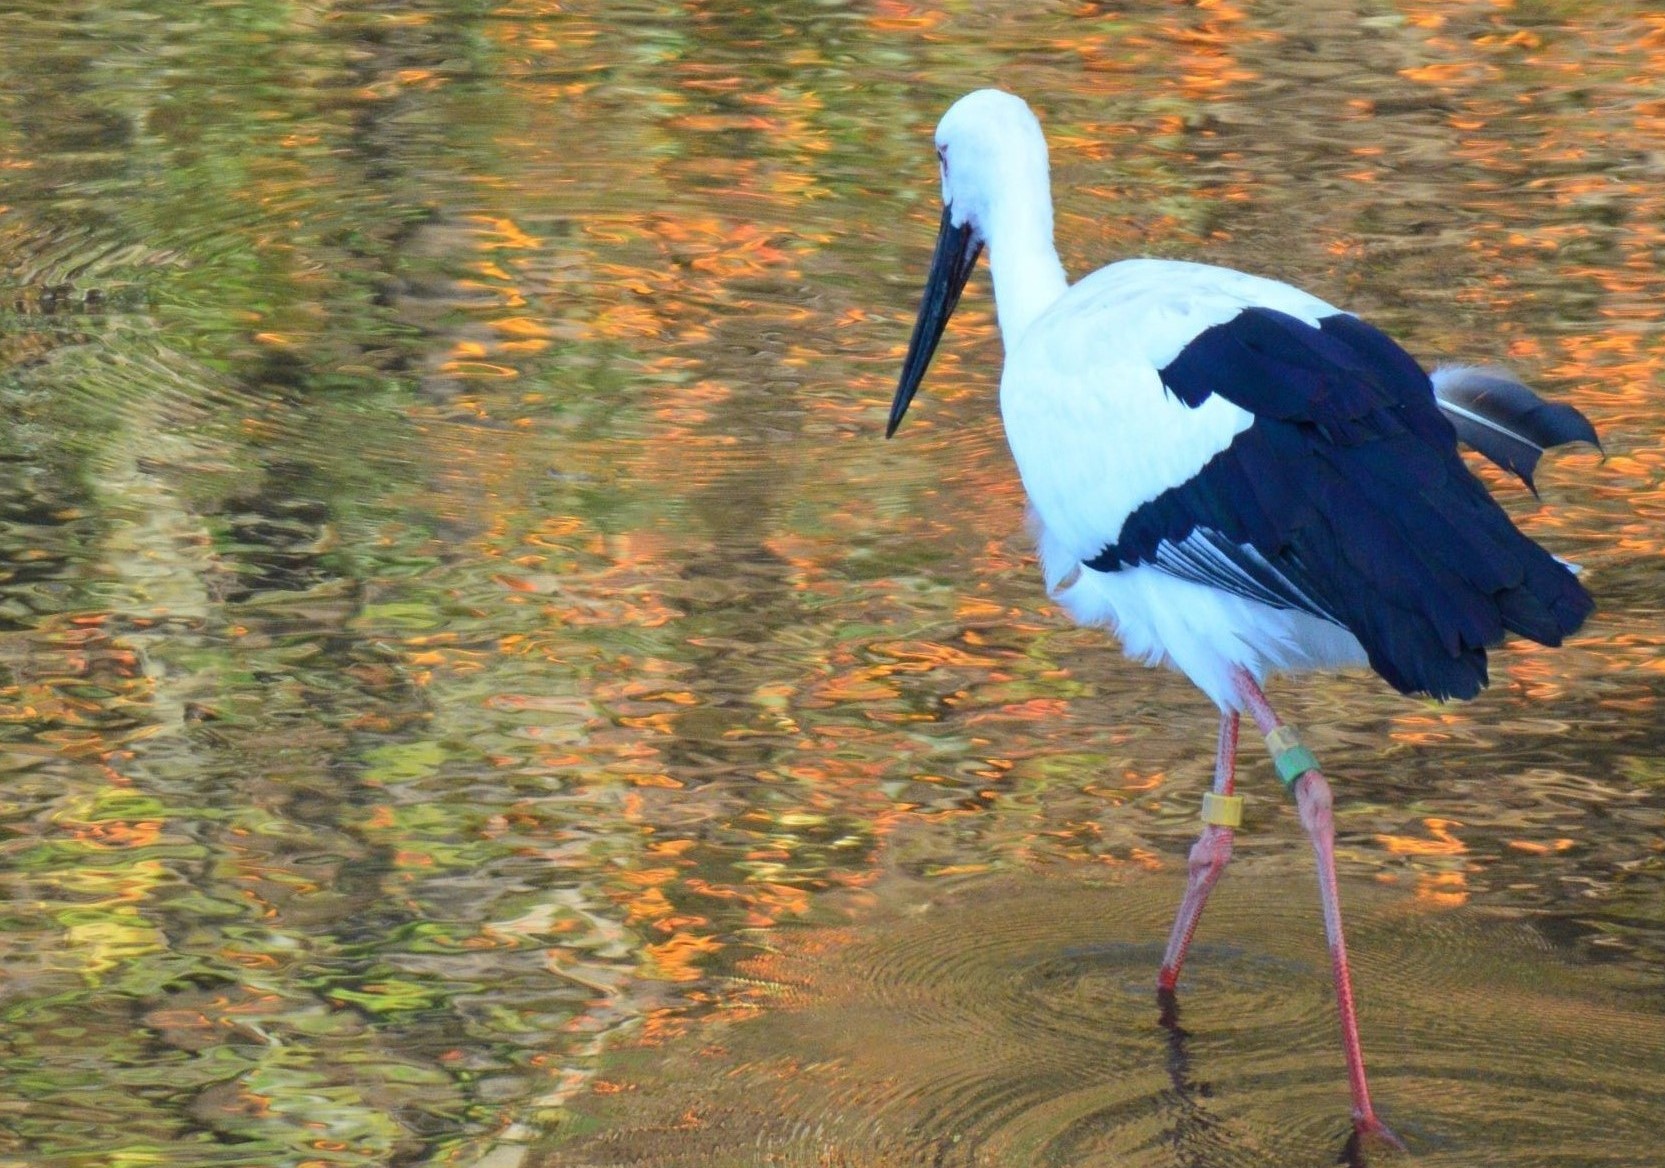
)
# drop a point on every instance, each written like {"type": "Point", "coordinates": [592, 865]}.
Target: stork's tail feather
{"type": "Point", "coordinates": [1506, 421]}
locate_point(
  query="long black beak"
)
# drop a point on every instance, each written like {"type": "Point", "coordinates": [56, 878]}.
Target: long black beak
{"type": "Point", "coordinates": [956, 254]}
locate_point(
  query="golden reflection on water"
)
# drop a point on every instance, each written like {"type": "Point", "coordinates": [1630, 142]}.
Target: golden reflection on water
{"type": "Point", "coordinates": [475, 677]}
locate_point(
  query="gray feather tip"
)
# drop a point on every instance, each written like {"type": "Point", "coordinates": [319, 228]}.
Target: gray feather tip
{"type": "Point", "coordinates": [1500, 417]}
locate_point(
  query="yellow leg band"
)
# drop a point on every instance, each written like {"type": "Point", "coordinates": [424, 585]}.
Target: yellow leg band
{"type": "Point", "coordinates": [1222, 810]}
{"type": "Point", "coordinates": [1290, 755]}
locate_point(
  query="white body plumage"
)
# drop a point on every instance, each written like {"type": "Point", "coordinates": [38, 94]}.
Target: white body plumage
{"type": "Point", "coordinates": [1095, 434]}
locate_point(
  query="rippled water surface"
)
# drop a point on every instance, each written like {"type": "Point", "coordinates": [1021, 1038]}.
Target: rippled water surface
{"type": "Point", "coordinates": [477, 689]}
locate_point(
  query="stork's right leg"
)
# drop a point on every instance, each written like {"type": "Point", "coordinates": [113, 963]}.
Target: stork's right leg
{"type": "Point", "coordinates": [1312, 798]}
{"type": "Point", "coordinates": [1209, 855]}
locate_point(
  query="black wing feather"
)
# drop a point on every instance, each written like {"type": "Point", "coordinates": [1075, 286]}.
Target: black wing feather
{"type": "Point", "coordinates": [1346, 499]}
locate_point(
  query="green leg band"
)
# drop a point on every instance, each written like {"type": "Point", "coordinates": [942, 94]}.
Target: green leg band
{"type": "Point", "coordinates": [1290, 755]}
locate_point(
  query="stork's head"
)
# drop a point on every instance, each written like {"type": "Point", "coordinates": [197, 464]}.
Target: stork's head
{"type": "Point", "coordinates": [988, 143]}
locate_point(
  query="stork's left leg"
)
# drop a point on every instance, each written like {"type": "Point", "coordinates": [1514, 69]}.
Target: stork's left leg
{"type": "Point", "coordinates": [1209, 856]}
{"type": "Point", "coordinates": [1312, 797]}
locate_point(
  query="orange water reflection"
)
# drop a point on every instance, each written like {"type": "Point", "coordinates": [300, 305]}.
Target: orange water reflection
{"type": "Point", "coordinates": [464, 614]}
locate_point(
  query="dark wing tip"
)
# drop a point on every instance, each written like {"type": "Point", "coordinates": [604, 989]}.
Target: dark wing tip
{"type": "Point", "coordinates": [1505, 421]}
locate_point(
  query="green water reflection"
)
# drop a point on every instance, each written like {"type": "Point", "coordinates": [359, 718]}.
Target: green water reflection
{"type": "Point", "coordinates": [460, 626]}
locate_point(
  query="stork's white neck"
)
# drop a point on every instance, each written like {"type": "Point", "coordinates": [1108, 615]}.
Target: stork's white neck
{"type": "Point", "coordinates": [1024, 265]}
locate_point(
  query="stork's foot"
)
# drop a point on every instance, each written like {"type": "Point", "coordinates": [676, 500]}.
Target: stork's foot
{"type": "Point", "coordinates": [1369, 1135]}
{"type": "Point", "coordinates": [1167, 1005]}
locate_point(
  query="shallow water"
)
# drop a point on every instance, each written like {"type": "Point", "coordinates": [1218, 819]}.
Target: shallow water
{"type": "Point", "coordinates": [476, 688]}
{"type": "Point", "coordinates": [896, 1041]}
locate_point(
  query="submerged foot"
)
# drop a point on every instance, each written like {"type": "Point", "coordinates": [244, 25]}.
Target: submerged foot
{"type": "Point", "coordinates": [1369, 1134]}
{"type": "Point", "coordinates": [1167, 1001]}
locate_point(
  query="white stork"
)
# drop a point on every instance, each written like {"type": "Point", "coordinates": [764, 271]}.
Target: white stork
{"type": "Point", "coordinates": [1239, 479]}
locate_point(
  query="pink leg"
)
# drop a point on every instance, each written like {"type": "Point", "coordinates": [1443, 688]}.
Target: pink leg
{"type": "Point", "coordinates": [1313, 800]}
{"type": "Point", "coordinates": [1209, 856]}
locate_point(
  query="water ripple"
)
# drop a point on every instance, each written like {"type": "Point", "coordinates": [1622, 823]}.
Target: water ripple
{"type": "Point", "coordinates": [1013, 1021]}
